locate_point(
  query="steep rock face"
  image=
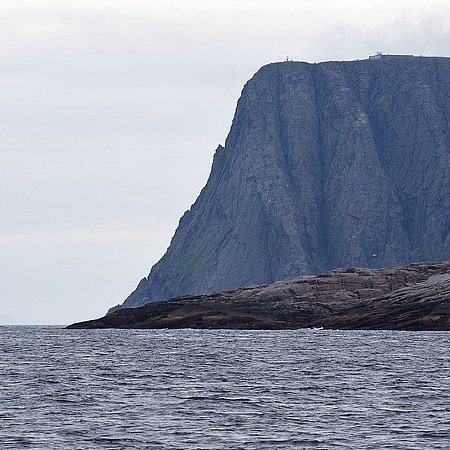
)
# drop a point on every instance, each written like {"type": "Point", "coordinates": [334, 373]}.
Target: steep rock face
{"type": "Point", "coordinates": [326, 165]}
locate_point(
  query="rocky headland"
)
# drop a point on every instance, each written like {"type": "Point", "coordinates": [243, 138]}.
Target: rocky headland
{"type": "Point", "coordinates": [335, 164]}
{"type": "Point", "coordinates": [412, 297]}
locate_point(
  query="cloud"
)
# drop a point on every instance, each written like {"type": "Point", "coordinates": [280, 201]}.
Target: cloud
{"type": "Point", "coordinates": [111, 111]}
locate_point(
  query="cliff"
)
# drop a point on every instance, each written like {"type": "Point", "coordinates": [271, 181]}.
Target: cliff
{"type": "Point", "coordinates": [326, 165]}
{"type": "Point", "coordinates": [414, 297]}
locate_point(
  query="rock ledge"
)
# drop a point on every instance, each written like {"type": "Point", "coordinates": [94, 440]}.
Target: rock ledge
{"type": "Point", "coordinates": [412, 297]}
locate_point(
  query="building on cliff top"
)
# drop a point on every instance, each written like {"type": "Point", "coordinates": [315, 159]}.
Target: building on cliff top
{"type": "Point", "coordinates": [380, 55]}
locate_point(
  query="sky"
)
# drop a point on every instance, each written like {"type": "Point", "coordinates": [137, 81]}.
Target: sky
{"type": "Point", "coordinates": [111, 112]}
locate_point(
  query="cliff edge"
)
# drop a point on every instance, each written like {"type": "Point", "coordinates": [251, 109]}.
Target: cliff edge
{"type": "Point", "coordinates": [336, 164]}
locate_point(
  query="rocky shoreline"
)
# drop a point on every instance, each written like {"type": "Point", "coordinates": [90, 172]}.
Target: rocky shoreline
{"type": "Point", "coordinates": [412, 297]}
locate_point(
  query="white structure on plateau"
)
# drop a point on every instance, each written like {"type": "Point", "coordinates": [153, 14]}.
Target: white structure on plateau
{"type": "Point", "coordinates": [380, 55]}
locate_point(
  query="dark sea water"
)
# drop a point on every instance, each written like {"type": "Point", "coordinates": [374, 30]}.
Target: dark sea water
{"type": "Point", "coordinates": [187, 389]}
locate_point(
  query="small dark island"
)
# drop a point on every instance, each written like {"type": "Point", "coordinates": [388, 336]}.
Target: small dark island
{"type": "Point", "coordinates": [412, 297]}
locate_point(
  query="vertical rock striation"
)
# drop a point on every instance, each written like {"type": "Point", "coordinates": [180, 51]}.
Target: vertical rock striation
{"type": "Point", "coordinates": [326, 165]}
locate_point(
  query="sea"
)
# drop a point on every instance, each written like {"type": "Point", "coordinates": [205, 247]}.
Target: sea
{"type": "Point", "coordinates": [223, 389]}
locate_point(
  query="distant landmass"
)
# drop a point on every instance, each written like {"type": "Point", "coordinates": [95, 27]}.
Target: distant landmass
{"type": "Point", "coordinates": [414, 297]}
{"type": "Point", "coordinates": [336, 164]}
{"type": "Point", "coordinates": [8, 320]}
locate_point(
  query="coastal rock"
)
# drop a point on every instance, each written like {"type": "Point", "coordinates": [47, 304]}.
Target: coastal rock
{"type": "Point", "coordinates": [413, 297]}
{"type": "Point", "coordinates": [326, 165]}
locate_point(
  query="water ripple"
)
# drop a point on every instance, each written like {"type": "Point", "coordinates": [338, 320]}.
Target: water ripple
{"type": "Point", "coordinates": [191, 389]}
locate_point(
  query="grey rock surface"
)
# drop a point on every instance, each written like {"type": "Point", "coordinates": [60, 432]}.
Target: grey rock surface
{"type": "Point", "coordinates": [412, 297]}
{"type": "Point", "coordinates": [336, 164]}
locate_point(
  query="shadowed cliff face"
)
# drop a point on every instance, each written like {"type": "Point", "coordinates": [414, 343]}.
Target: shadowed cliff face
{"type": "Point", "coordinates": [326, 165]}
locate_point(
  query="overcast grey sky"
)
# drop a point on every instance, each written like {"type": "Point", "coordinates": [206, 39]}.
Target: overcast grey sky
{"type": "Point", "coordinates": [110, 114]}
